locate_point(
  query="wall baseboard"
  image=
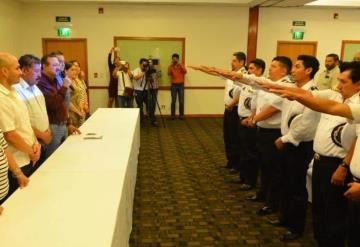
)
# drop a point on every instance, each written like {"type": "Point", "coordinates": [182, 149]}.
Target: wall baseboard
{"type": "Point", "coordinates": [196, 116]}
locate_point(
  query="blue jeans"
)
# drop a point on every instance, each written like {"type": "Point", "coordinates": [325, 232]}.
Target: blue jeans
{"type": "Point", "coordinates": [177, 89]}
{"type": "Point", "coordinates": [59, 134]}
{"type": "Point", "coordinates": [124, 102]}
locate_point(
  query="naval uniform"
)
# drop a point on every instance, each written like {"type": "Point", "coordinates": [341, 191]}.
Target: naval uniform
{"type": "Point", "coordinates": [268, 131]}
{"type": "Point", "coordinates": [329, 204]}
{"type": "Point", "coordinates": [353, 224]}
{"type": "Point", "coordinates": [298, 126]}
{"type": "Point", "coordinates": [247, 138]}
{"type": "Point", "coordinates": [231, 125]}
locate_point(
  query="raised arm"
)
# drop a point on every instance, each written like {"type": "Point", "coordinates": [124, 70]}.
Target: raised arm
{"type": "Point", "coordinates": [314, 103]}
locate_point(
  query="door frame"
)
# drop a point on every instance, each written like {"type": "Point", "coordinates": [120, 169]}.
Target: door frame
{"type": "Point", "coordinates": [297, 42]}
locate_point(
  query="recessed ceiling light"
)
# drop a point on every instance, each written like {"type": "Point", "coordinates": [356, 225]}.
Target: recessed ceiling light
{"type": "Point", "coordinates": [340, 3]}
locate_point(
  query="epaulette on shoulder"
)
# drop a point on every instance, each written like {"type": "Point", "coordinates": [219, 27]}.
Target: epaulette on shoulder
{"type": "Point", "coordinates": [314, 88]}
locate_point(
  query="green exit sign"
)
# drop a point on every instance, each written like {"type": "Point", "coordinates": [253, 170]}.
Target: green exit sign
{"type": "Point", "coordinates": [64, 32]}
{"type": "Point", "coordinates": [298, 35]}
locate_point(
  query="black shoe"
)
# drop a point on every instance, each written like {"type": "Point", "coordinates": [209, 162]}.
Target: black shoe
{"type": "Point", "coordinates": [265, 210]}
{"type": "Point", "coordinates": [233, 171]}
{"type": "Point", "coordinates": [290, 236]}
{"type": "Point", "coordinates": [246, 187]}
{"type": "Point", "coordinates": [276, 222]}
{"type": "Point", "coordinates": [181, 118]}
{"type": "Point", "coordinates": [173, 117]}
{"type": "Point", "coordinates": [254, 198]}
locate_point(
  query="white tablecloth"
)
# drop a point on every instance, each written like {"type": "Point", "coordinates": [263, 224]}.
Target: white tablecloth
{"type": "Point", "coordinates": [83, 194]}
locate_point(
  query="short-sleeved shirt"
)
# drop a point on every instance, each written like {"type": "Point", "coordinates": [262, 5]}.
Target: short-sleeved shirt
{"type": "Point", "coordinates": [325, 141]}
{"type": "Point", "coordinates": [35, 103]}
{"type": "Point", "coordinates": [14, 116]}
{"type": "Point", "coordinates": [4, 182]}
{"type": "Point", "coordinates": [305, 130]}
{"type": "Point", "coordinates": [355, 161]}
{"type": "Point", "coordinates": [177, 73]}
{"type": "Point", "coordinates": [139, 84]}
{"type": "Point", "coordinates": [123, 81]}
{"type": "Point", "coordinates": [264, 99]}
{"type": "Point", "coordinates": [327, 79]}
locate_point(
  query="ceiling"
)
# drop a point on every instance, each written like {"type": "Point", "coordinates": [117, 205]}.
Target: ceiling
{"type": "Point", "coordinates": [245, 3]}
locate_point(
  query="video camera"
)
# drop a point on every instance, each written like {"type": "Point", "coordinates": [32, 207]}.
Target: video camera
{"type": "Point", "coordinates": [150, 68]}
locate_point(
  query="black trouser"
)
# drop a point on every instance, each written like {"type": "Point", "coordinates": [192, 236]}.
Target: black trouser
{"type": "Point", "coordinates": [328, 203]}
{"type": "Point", "coordinates": [353, 224]}
{"type": "Point", "coordinates": [293, 203]}
{"type": "Point", "coordinates": [141, 98]}
{"type": "Point", "coordinates": [270, 164]}
{"type": "Point", "coordinates": [231, 140]}
{"type": "Point", "coordinates": [28, 170]}
{"type": "Point", "coordinates": [248, 154]}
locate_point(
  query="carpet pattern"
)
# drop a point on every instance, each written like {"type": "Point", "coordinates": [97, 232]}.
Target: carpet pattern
{"type": "Point", "coordinates": [182, 197]}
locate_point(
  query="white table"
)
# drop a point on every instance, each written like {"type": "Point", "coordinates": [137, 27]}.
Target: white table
{"type": "Point", "coordinates": [83, 194]}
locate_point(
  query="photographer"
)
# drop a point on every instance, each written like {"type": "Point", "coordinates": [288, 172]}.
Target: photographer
{"type": "Point", "coordinates": [140, 86]}
{"type": "Point", "coordinates": [177, 73]}
{"type": "Point", "coordinates": [125, 88]}
{"type": "Point", "coordinates": [153, 76]}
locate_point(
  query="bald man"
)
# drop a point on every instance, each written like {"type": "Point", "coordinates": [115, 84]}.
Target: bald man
{"type": "Point", "coordinates": [15, 120]}
{"type": "Point", "coordinates": [357, 57]}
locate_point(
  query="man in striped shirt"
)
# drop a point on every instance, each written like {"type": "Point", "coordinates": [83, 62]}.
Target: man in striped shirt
{"type": "Point", "coordinates": [7, 162]}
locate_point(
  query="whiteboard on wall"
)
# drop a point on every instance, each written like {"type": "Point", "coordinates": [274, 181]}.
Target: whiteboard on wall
{"type": "Point", "coordinates": [349, 48]}
{"type": "Point", "coordinates": [132, 49]}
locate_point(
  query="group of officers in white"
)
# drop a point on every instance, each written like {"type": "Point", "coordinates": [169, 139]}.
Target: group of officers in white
{"type": "Point", "coordinates": [280, 125]}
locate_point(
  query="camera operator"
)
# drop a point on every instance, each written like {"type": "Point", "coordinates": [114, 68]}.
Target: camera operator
{"type": "Point", "coordinates": [140, 86]}
{"type": "Point", "coordinates": [124, 98]}
{"type": "Point", "coordinates": [153, 76]}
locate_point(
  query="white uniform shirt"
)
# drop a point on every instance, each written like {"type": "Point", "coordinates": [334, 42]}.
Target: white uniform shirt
{"type": "Point", "coordinates": [323, 140]}
{"type": "Point", "coordinates": [231, 88]}
{"type": "Point", "coordinates": [35, 103]}
{"type": "Point", "coordinates": [355, 161]}
{"type": "Point", "coordinates": [123, 79]}
{"type": "Point", "coordinates": [14, 116]}
{"type": "Point", "coordinates": [305, 129]}
{"type": "Point", "coordinates": [245, 100]}
{"type": "Point", "coordinates": [4, 182]}
{"type": "Point", "coordinates": [264, 99]}
{"type": "Point", "coordinates": [139, 84]}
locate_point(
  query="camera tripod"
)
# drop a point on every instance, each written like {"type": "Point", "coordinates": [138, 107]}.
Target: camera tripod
{"type": "Point", "coordinates": [153, 97]}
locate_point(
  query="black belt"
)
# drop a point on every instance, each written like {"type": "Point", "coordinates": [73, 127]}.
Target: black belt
{"type": "Point", "coordinates": [326, 158]}
{"type": "Point", "coordinates": [242, 118]}
{"type": "Point", "coordinates": [267, 130]}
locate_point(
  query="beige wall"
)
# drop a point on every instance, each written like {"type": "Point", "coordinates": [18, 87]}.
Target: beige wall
{"type": "Point", "coordinates": [275, 24]}
{"type": "Point", "coordinates": [212, 35]}
{"type": "Point", "coordinates": [10, 26]}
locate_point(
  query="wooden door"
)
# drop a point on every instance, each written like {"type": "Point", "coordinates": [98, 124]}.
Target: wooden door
{"type": "Point", "coordinates": [73, 49]}
{"type": "Point", "coordinates": [293, 49]}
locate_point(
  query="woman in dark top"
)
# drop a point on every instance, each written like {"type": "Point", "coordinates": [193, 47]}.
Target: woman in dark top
{"type": "Point", "coordinates": [113, 87]}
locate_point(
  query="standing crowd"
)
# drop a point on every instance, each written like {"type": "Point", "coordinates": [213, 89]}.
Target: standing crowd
{"type": "Point", "coordinates": [142, 84]}
{"type": "Point", "coordinates": [42, 101]}
{"type": "Point", "coordinates": [297, 120]}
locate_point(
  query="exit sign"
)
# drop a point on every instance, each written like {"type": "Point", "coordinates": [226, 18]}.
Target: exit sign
{"type": "Point", "coordinates": [64, 32]}
{"type": "Point", "coordinates": [298, 35]}
{"type": "Point", "coordinates": [63, 19]}
{"type": "Point", "coordinates": [299, 23]}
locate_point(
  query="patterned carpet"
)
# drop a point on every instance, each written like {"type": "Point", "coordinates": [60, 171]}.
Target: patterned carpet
{"type": "Point", "coordinates": [182, 197]}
